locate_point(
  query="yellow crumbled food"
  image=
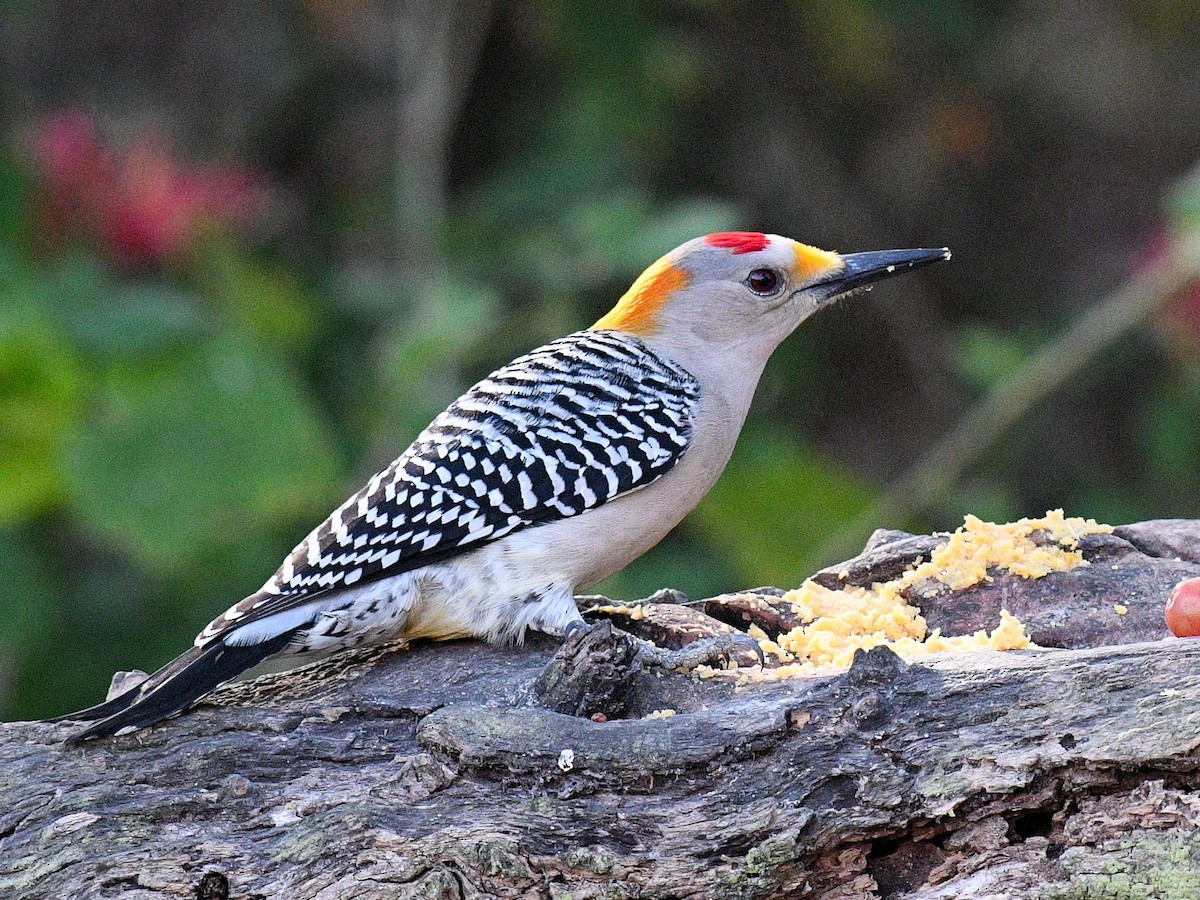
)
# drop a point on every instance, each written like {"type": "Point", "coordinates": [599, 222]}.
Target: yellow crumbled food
{"type": "Point", "coordinates": [1120, 609]}
{"type": "Point", "coordinates": [835, 623]}
{"type": "Point", "coordinates": [768, 646]}
{"type": "Point", "coordinates": [963, 560]}
{"type": "Point", "coordinates": [660, 714]}
{"type": "Point", "coordinates": [838, 622]}
{"type": "Point", "coordinates": [634, 612]}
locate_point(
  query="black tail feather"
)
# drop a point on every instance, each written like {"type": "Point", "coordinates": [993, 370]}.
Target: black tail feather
{"type": "Point", "coordinates": [100, 710]}
{"type": "Point", "coordinates": [174, 687]}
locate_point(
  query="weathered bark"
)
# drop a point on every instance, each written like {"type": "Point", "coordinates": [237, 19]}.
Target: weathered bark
{"type": "Point", "coordinates": [428, 773]}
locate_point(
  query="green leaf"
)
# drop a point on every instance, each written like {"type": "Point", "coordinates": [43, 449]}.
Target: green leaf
{"type": "Point", "coordinates": [40, 386]}
{"type": "Point", "coordinates": [26, 599]}
{"type": "Point", "coordinates": [1171, 441]}
{"type": "Point", "coordinates": [15, 203]}
{"type": "Point", "coordinates": [625, 232]}
{"type": "Point", "coordinates": [191, 453]}
{"type": "Point", "coordinates": [774, 505]}
{"type": "Point", "coordinates": [112, 320]}
{"type": "Point", "coordinates": [266, 298]}
{"type": "Point", "coordinates": [421, 356]}
{"type": "Point", "coordinates": [985, 356]}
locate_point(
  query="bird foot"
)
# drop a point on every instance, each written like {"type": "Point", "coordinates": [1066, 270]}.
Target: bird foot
{"type": "Point", "coordinates": [708, 651]}
{"type": "Point", "coordinates": [574, 626]}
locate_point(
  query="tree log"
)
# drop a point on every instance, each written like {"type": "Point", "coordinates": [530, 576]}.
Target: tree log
{"type": "Point", "coordinates": [432, 771]}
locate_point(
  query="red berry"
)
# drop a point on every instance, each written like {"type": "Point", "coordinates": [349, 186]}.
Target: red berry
{"type": "Point", "coordinates": [1183, 609]}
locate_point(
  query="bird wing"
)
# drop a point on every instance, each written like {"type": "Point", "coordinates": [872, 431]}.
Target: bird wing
{"type": "Point", "coordinates": [564, 429]}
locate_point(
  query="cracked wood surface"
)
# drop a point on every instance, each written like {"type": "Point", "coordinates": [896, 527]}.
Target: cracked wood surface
{"type": "Point", "coordinates": [428, 773]}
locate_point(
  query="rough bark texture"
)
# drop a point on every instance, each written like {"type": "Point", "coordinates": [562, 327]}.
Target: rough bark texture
{"type": "Point", "coordinates": [434, 772]}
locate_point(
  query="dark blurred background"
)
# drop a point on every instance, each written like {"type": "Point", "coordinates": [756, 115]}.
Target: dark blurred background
{"type": "Point", "coordinates": [248, 249]}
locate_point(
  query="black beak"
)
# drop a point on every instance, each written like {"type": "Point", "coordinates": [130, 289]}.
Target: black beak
{"type": "Point", "coordinates": [862, 269]}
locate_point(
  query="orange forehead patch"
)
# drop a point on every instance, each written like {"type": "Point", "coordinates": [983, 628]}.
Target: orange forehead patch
{"type": "Point", "coordinates": [637, 311]}
{"type": "Point", "coordinates": [813, 261]}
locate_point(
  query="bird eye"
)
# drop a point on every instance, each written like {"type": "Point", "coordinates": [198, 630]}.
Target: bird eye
{"type": "Point", "coordinates": [763, 281]}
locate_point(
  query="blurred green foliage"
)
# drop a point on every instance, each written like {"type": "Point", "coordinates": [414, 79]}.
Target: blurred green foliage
{"type": "Point", "coordinates": [171, 429]}
{"type": "Point", "coordinates": [173, 421]}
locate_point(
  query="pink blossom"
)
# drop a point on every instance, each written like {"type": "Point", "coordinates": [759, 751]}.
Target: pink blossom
{"type": "Point", "coordinates": [139, 204]}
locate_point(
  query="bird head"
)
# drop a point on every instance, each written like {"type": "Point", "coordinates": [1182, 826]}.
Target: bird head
{"type": "Point", "coordinates": [745, 292]}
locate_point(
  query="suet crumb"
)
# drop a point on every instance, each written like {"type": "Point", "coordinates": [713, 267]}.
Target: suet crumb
{"type": "Point", "coordinates": [835, 623]}
{"type": "Point", "coordinates": [660, 714]}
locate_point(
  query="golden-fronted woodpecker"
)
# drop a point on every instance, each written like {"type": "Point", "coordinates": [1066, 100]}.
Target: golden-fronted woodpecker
{"type": "Point", "coordinates": [546, 477]}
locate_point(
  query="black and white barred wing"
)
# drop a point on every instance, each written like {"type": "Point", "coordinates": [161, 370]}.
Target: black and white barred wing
{"type": "Point", "coordinates": [559, 431]}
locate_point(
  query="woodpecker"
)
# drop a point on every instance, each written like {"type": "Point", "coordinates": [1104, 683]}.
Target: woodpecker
{"type": "Point", "coordinates": [546, 477]}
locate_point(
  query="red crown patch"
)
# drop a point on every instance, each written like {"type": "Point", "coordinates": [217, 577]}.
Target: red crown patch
{"type": "Point", "coordinates": [738, 241]}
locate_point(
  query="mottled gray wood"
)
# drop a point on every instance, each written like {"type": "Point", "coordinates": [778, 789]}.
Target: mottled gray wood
{"type": "Point", "coordinates": [417, 773]}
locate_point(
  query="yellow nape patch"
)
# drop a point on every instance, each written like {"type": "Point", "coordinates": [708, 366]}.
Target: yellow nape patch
{"type": "Point", "coordinates": [813, 262]}
{"type": "Point", "coordinates": [638, 310]}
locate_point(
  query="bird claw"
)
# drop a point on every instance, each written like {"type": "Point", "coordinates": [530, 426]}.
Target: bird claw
{"type": "Point", "coordinates": [718, 649]}
{"type": "Point", "coordinates": [706, 651]}
{"type": "Point", "coordinates": [572, 627]}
